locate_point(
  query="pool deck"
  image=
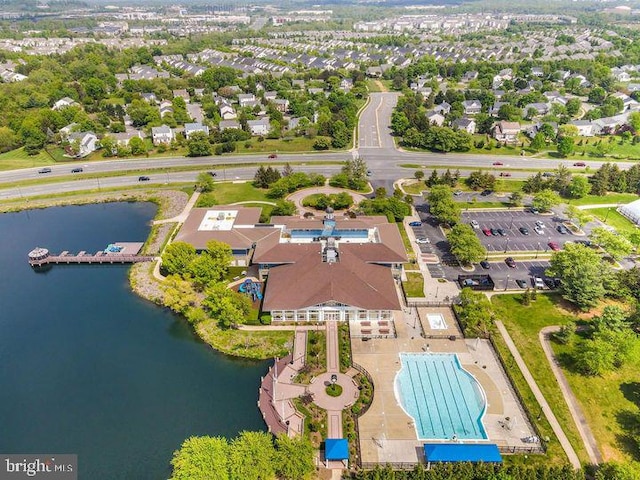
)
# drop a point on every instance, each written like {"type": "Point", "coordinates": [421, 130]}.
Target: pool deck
{"type": "Point", "coordinates": [387, 433]}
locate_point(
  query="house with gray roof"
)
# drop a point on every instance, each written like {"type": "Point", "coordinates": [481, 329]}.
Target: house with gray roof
{"type": "Point", "coordinates": [191, 128]}
{"type": "Point", "coordinates": [162, 134]}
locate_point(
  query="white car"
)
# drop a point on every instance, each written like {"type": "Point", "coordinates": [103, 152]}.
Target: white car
{"type": "Point", "coordinates": [540, 223]}
{"type": "Point", "coordinates": [423, 240]}
{"type": "Point", "coordinates": [538, 283]}
{"type": "Point", "coordinates": [475, 224]}
{"type": "Point", "coordinates": [539, 230]}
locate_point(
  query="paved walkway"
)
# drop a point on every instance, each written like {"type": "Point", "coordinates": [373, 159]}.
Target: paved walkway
{"type": "Point", "coordinates": [589, 440]}
{"type": "Point", "coordinates": [181, 217]}
{"type": "Point", "coordinates": [602, 205]}
{"type": "Point", "coordinates": [544, 405]}
{"type": "Point", "coordinates": [334, 408]}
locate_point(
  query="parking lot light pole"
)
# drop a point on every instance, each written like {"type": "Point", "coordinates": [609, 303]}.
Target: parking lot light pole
{"type": "Point", "coordinates": [506, 284]}
{"type": "Point", "coordinates": [538, 250]}
{"type": "Point", "coordinates": [511, 226]}
{"type": "Point", "coordinates": [506, 245]}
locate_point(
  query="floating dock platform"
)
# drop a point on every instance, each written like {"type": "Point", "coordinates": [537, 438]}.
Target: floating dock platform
{"type": "Point", "coordinates": [121, 252]}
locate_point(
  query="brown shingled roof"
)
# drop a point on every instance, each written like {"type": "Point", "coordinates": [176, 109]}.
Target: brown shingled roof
{"type": "Point", "coordinates": [310, 281]}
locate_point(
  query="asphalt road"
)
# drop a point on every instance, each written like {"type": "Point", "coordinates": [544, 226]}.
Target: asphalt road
{"type": "Point", "coordinates": [376, 146]}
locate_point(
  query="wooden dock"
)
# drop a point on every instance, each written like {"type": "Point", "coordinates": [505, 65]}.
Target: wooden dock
{"type": "Point", "coordinates": [40, 257]}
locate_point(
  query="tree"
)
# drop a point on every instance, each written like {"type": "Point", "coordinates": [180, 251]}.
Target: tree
{"type": "Point", "coordinates": [341, 135]}
{"type": "Point", "coordinates": [538, 142]}
{"type": "Point", "coordinates": [201, 458]}
{"type": "Point", "coordinates": [516, 198]}
{"type": "Point", "coordinates": [465, 244]}
{"type": "Point", "coordinates": [178, 294]}
{"type": "Point", "coordinates": [578, 187]}
{"type": "Point", "coordinates": [418, 174]}
{"type": "Point", "coordinates": [137, 146]}
{"type": "Point", "coordinates": [294, 457]}
{"type": "Point", "coordinates": [475, 313]}
{"type": "Point", "coordinates": [442, 206]}
{"type": "Point", "coordinates": [545, 199]}
{"type": "Point", "coordinates": [594, 357]}
{"type": "Point", "coordinates": [284, 208]}
{"type": "Point", "coordinates": [251, 457]}
{"type": "Point", "coordinates": [198, 145]}
{"type": "Point", "coordinates": [614, 244]}
{"type": "Point", "coordinates": [634, 121]}
{"type": "Point", "coordinates": [573, 106]}
{"type": "Point", "coordinates": [211, 265]}
{"type": "Point", "coordinates": [612, 318]}
{"type": "Point", "coordinates": [582, 274]}
{"type": "Point", "coordinates": [509, 112]}
{"type": "Point", "coordinates": [480, 180]}
{"type": "Point", "coordinates": [225, 305]}
{"type": "Point", "coordinates": [579, 217]}
{"type": "Point", "coordinates": [597, 95]}
{"type": "Point", "coordinates": [566, 146]}
{"type": "Point", "coordinates": [8, 139]}
{"type": "Point", "coordinates": [177, 257]}
{"type": "Point", "coordinates": [205, 182]}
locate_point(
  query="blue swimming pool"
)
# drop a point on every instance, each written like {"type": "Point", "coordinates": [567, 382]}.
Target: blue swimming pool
{"type": "Point", "coordinates": [357, 233]}
{"type": "Point", "coordinates": [444, 400]}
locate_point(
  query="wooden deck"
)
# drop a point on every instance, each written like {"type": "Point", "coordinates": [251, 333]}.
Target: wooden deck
{"type": "Point", "coordinates": [89, 258]}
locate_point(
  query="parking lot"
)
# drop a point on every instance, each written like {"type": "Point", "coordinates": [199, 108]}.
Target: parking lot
{"type": "Point", "coordinates": [513, 240]}
{"type": "Point", "coordinates": [504, 276]}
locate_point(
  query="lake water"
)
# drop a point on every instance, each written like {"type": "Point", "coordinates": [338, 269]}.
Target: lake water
{"type": "Point", "coordinates": [87, 367]}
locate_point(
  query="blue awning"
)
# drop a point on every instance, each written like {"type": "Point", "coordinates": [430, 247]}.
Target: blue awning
{"type": "Point", "coordinates": [336, 449]}
{"type": "Point", "coordinates": [461, 452]}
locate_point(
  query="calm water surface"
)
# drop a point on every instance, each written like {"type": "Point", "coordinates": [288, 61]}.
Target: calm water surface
{"type": "Point", "coordinates": [88, 367]}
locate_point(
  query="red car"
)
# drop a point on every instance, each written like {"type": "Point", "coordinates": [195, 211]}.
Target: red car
{"type": "Point", "coordinates": [505, 174]}
{"type": "Point", "coordinates": [497, 163]}
{"type": "Point", "coordinates": [579, 164]}
{"type": "Point", "coordinates": [487, 232]}
{"type": "Point", "coordinates": [554, 246]}
{"type": "Point", "coordinates": [273, 155]}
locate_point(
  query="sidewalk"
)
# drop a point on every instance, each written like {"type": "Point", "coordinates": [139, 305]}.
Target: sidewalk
{"type": "Point", "coordinates": [181, 217]}
{"type": "Point", "coordinates": [590, 443]}
{"type": "Point", "coordinates": [544, 405]}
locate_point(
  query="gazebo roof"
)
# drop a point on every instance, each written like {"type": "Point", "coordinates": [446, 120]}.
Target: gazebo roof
{"type": "Point", "coordinates": [336, 449]}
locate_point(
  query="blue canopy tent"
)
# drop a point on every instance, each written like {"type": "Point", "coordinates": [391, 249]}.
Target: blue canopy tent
{"type": "Point", "coordinates": [336, 449]}
{"type": "Point", "coordinates": [461, 452]}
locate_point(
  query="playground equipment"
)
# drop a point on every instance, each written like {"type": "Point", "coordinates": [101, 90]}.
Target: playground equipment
{"type": "Point", "coordinates": [254, 289]}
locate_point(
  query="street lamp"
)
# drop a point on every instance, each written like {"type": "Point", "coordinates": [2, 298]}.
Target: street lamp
{"type": "Point", "coordinates": [607, 215]}
{"type": "Point", "coordinates": [506, 245]}
{"type": "Point", "coordinates": [538, 250]}
{"type": "Point", "coordinates": [506, 284]}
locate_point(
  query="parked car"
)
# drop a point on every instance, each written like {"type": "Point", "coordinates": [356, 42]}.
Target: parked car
{"type": "Point", "coordinates": [586, 243]}
{"type": "Point", "coordinates": [497, 163]}
{"type": "Point", "coordinates": [535, 211]}
{"type": "Point", "coordinates": [547, 174]}
{"type": "Point", "coordinates": [494, 232]}
{"type": "Point", "coordinates": [562, 229]}
{"type": "Point", "coordinates": [143, 178]}
{"type": "Point", "coordinates": [554, 246]}
{"type": "Point", "coordinates": [550, 283]}
{"type": "Point", "coordinates": [538, 230]}
{"type": "Point", "coordinates": [77, 170]}
{"type": "Point", "coordinates": [44, 170]}
{"type": "Point", "coordinates": [457, 193]}
{"type": "Point", "coordinates": [486, 193]}
{"type": "Point", "coordinates": [501, 232]}
{"type": "Point", "coordinates": [484, 264]}
{"type": "Point", "coordinates": [505, 174]}
{"type": "Point", "coordinates": [524, 230]}
{"type": "Point", "coordinates": [539, 223]}
{"type": "Point", "coordinates": [580, 164]}
{"type": "Point", "coordinates": [213, 174]}
{"type": "Point", "coordinates": [474, 224]}
{"type": "Point", "coordinates": [369, 173]}
{"type": "Point", "coordinates": [511, 263]}
{"type": "Point", "coordinates": [538, 282]}
{"type": "Point", "coordinates": [415, 224]}
{"type": "Point", "coordinates": [521, 283]}
{"type": "Point", "coordinates": [487, 232]}
{"type": "Point", "coordinates": [422, 240]}
{"type": "Point", "coordinates": [273, 155]}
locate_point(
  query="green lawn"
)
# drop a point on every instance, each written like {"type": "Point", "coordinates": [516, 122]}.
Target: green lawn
{"type": "Point", "coordinates": [415, 187]}
{"type": "Point", "coordinates": [611, 217]}
{"type": "Point", "coordinates": [601, 398]}
{"type": "Point", "coordinates": [414, 286]}
{"type": "Point", "coordinates": [480, 204]}
{"type": "Point", "coordinates": [289, 144]}
{"type": "Point", "coordinates": [405, 240]}
{"type": "Point", "coordinates": [608, 198]}
{"type": "Point", "coordinates": [20, 159]}
{"type": "Point", "coordinates": [374, 85]}
{"type": "Point", "coordinates": [226, 193]}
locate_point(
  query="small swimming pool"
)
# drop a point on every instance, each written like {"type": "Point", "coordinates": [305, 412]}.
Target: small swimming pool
{"type": "Point", "coordinates": [444, 400]}
{"type": "Point", "coordinates": [436, 321]}
{"type": "Point", "coordinates": [313, 233]}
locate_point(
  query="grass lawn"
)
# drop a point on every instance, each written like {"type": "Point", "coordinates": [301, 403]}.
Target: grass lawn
{"type": "Point", "coordinates": [250, 344]}
{"type": "Point", "coordinates": [20, 159]}
{"type": "Point", "coordinates": [405, 240]}
{"type": "Point", "coordinates": [414, 187]}
{"type": "Point", "coordinates": [226, 193]}
{"type": "Point", "coordinates": [600, 398]}
{"type": "Point", "coordinates": [378, 85]}
{"type": "Point", "coordinates": [608, 198]}
{"type": "Point", "coordinates": [289, 144]}
{"type": "Point", "coordinates": [480, 204]}
{"type": "Point", "coordinates": [414, 286]}
{"type": "Point", "coordinates": [613, 218]}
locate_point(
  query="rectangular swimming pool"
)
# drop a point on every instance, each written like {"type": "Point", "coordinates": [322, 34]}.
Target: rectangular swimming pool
{"type": "Point", "coordinates": [445, 401]}
{"type": "Point", "coordinates": [357, 233]}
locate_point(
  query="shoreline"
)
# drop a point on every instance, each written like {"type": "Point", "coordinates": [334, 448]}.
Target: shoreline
{"type": "Point", "coordinates": [245, 344]}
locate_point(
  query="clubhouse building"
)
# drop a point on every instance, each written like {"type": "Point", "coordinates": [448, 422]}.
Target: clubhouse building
{"type": "Point", "coordinates": [316, 269]}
